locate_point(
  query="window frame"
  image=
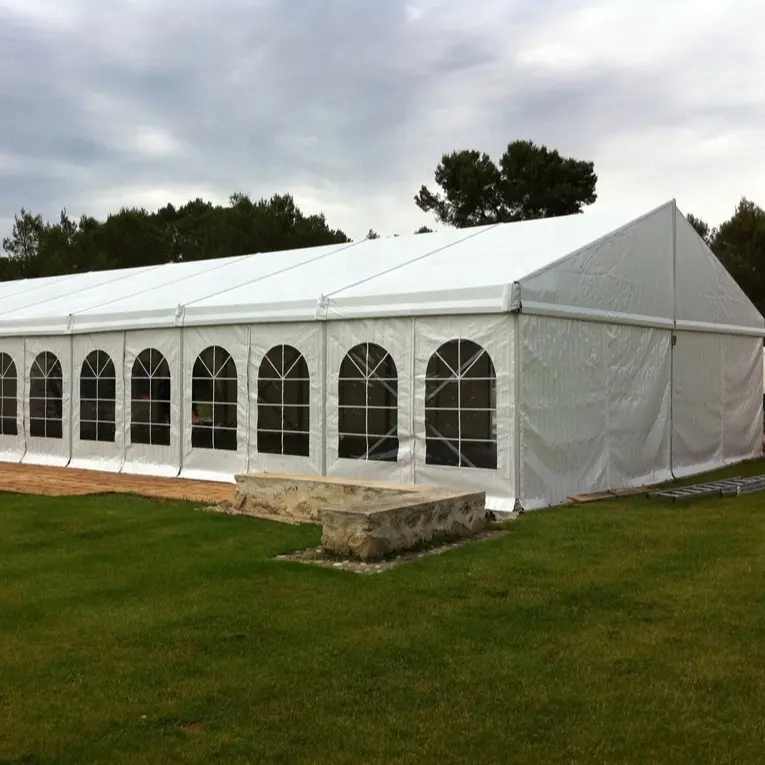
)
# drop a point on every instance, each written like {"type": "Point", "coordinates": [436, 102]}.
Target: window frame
{"type": "Point", "coordinates": [446, 425]}
{"type": "Point", "coordinates": [9, 371]}
{"type": "Point", "coordinates": [222, 437]}
{"type": "Point", "coordinates": [154, 426]}
{"type": "Point", "coordinates": [360, 370]}
{"type": "Point", "coordinates": [50, 369]}
{"type": "Point", "coordinates": [98, 362]}
{"type": "Point", "coordinates": [296, 375]}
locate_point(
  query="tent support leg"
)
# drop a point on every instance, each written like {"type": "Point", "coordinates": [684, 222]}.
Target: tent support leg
{"type": "Point", "coordinates": [673, 340]}
{"type": "Point", "coordinates": [516, 329]}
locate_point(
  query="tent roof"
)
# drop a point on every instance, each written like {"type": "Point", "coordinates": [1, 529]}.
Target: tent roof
{"type": "Point", "coordinates": [590, 263]}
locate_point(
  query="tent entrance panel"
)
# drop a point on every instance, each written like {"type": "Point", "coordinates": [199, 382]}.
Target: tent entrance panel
{"type": "Point", "coordinates": [464, 405]}
{"type": "Point", "coordinates": [214, 402]}
{"type": "Point", "coordinates": [47, 420]}
{"type": "Point", "coordinates": [98, 421]}
{"type": "Point", "coordinates": [152, 379]}
{"type": "Point", "coordinates": [12, 398]}
{"type": "Point", "coordinates": [369, 400]}
{"type": "Point", "coordinates": [286, 397]}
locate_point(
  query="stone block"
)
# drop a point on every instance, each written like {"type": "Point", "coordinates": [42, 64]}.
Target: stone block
{"type": "Point", "coordinates": [364, 520]}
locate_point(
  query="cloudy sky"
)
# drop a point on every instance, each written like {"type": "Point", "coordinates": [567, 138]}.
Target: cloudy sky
{"type": "Point", "coordinates": [349, 104]}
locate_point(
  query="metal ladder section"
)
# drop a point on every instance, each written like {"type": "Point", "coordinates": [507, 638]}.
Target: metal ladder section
{"type": "Point", "coordinates": [729, 487]}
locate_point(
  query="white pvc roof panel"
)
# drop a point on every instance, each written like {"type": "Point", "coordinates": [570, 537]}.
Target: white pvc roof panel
{"type": "Point", "coordinates": [36, 303]}
{"type": "Point", "coordinates": [157, 285]}
{"type": "Point", "coordinates": [456, 270]}
{"type": "Point", "coordinates": [20, 286]}
{"type": "Point", "coordinates": [492, 256]}
{"type": "Point", "coordinates": [65, 287]}
{"type": "Point", "coordinates": [299, 289]}
{"type": "Point", "coordinates": [157, 304]}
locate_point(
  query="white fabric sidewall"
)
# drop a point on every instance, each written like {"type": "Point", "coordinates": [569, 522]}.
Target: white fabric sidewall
{"type": "Point", "coordinates": [495, 335]}
{"type": "Point", "coordinates": [145, 459]}
{"type": "Point", "coordinates": [563, 415]}
{"type": "Point", "coordinates": [305, 337]}
{"type": "Point", "coordinates": [215, 464]}
{"type": "Point", "coordinates": [697, 403]}
{"type": "Point", "coordinates": [595, 407]}
{"type": "Point", "coordinates": [99, 455]}
{"type": "Point", "coordinates": [49, 451]}
{"type": "Point", "coordinates": [394, 336]}
{"type": "Point", "coordinates": [12, 448]}
{"type": "Point", "coordinates": [717, 406]}
{"type": "Point", "coordinates": [742, 370]}
{"type": "Point", "coordinates": [639, 406]}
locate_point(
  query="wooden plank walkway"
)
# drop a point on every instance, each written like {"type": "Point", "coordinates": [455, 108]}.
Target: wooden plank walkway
{"type": "Point", "coordinates": [70, 482]}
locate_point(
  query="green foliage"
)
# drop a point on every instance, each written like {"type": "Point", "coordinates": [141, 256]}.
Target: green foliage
{"type": "Point", "coordinates": [530, 182]}
{"type": "Point", "coordinates": [135, 237]}
{"type": "Point", "coordinates": [702, 228]}
{"type": "Point", "coordinates": [739, 243]}
{"type": "Point", "coordinates": [136, 631]}
{"type": "Point", "coordinates": [372, 234]}
{"type": "Point", "coordinates": [424, 230]}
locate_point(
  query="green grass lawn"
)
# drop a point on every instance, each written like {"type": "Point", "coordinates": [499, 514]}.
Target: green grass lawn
{"type": "Point", "coordinates": [137, 631]}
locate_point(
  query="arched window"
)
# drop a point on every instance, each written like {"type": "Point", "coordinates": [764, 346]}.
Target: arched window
{"type": "Point", "coordinates": [213, 400]}
{"type": "Point", "coordinates": [284, 406]}
{"type": "Point", "coordinates": [46, 403]}
{"type": "Point", "coordinates": [460, 407]}
{"type": "Point", "coordinates": [98, 393]}
{"type": "Point", "coordinates": [8, 396]}
{"type": "Point", "coordinates": [368, 403]}
{"type": "Point", "coordinates": [150, 399]}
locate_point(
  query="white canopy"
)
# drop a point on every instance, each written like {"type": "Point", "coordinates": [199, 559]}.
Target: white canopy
{"type": "Point", "coordinates": [620, 352]}
{"type": "Point", "coordinates": [653, 270]}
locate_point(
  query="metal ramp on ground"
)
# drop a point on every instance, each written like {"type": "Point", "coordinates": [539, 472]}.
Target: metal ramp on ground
{"type": "Point", "coordinates": [727, 487]}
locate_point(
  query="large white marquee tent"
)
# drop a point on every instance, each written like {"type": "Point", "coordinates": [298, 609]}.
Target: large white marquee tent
{"type": "Point", "coordinates": [532, 360]}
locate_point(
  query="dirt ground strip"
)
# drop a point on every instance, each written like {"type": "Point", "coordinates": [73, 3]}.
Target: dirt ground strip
{"type": "Point", "coordinates": [69, 482]}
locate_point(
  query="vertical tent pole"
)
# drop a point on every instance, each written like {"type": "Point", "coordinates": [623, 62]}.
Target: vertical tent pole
{"type": "Point", "coordinates": [127, 383]}
{"type": "Point", "coordinates": [180, 396]}
{"type": "Point", "coordinates": [322, 316]}
{"type": "Point", "coordinates": [248, 403]}
{"type": "Point", "coordinates": [413, 393]}
{"type": "Point", "coordinates": [672, 344]}
{"type": "Point", "coordinates": [516, 325]}
{"type": "Point", "coordinates": [71, 391]}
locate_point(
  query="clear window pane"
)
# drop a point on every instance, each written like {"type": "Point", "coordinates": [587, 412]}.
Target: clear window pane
{"type": "Point", "coordinates": [460, 407]}
{"type": "Point", "coordinates": [283, 403]}
{"type": "Point", "coordinates": [368, 404]}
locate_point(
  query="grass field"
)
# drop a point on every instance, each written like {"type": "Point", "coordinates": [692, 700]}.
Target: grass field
{"type": "Point", "coordinates": [137, 631]}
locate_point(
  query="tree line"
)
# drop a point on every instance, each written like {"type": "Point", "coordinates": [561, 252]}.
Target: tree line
{"type": "Point", "coordinates": [528, 182]}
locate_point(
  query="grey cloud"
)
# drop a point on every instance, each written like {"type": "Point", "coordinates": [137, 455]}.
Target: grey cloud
{"type": "Point", "coordinates": [269, 96]}
{"type": "Point", "coordinates": [246, 90]}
